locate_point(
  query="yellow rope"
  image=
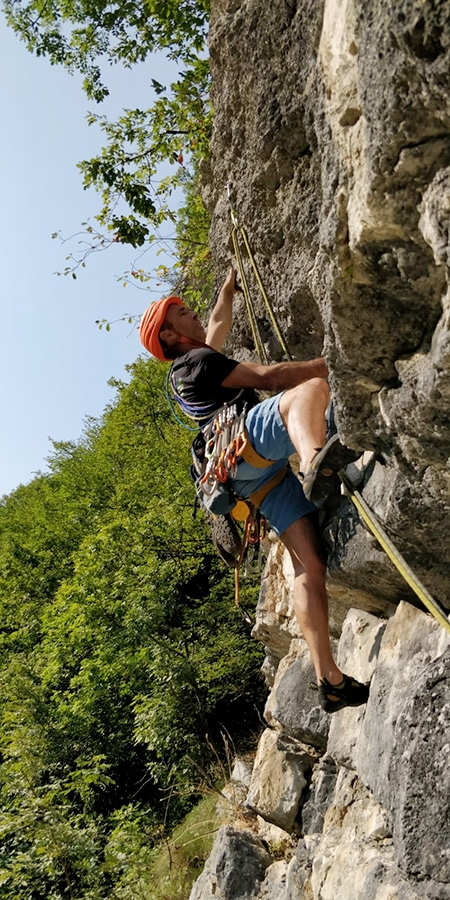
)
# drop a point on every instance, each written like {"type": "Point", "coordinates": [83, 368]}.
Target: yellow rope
{"type": "Point", "coordinates": [264, 295]}
{"type": "Point", "coordinates": [239, 232]}
{"type": "Point", "coordinates": [389, 548]}
{"type": "Point", "coordinates": [251, 313]}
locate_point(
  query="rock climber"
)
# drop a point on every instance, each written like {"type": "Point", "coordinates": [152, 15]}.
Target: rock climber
{"type": "Point", "coordinates": [291, 421]}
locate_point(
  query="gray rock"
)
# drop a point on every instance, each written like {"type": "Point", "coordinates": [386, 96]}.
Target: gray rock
{"type": "Point", "coordinates": [334, 126]}
{"type": "Point", "coordinates": [242, 771]}
{"type": "Point", "coordinates": [419, 775]}
{"type": "Point", "coordinates": [235, 868]}
{"type": "Point", "coordinates": [299, 870]}
{"type": "Point", "coordinates": [274, 884]}
{"type": "Point", "coordinates": [358, 652]}
{"type": "Point", "coordinates": [278, 779]}
{"type": "Point", "coordinates": [292, 705]}
{"type": "Point", "coordinates": [319, 796]}
{"type": "Point", "coordinates": [410, 642]}
{"type": "Point", "coordinates": [276, 625]}
{"type": "Point", "coordinates": [269, 670]}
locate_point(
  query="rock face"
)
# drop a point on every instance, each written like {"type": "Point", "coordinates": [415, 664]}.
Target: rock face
{"type": "Point", "coordinates": [369, 818]}
{"type": "Point", "coordinates": [235, 869]}
{"type": "Point", "coordinates": [278, 779]}
{"type": "Point", "coordinates": [332, 120]}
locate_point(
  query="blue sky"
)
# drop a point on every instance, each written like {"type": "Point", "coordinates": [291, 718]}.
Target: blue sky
{"type": "Point", "coordinates": [54, 361]}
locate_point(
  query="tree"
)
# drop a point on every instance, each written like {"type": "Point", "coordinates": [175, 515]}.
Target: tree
{"type": "Point", "coordinates": [122, 656]}
{"type": "Point", "coordinates": [78, 34]}
{"type": "Point", "coordinates": [137, 195]}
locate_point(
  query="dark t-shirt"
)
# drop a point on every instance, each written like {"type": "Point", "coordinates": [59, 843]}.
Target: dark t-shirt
{"type": "Point", "coordinates": [197, 378]}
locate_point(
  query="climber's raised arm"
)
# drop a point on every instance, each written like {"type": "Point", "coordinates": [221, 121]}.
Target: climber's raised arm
{"type": "Point", "coordinates": [222, 315]}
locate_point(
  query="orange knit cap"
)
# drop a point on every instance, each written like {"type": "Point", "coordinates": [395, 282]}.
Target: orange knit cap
{"type": "Point", "coordinates": [152, 322]}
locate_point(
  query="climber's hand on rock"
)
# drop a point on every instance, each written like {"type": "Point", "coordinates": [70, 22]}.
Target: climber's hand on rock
{"type": "Point", "coordinates": [230, 285]}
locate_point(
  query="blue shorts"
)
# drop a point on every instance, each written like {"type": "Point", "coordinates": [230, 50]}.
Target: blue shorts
{"type": "Point", "coordinates": [285, 503]}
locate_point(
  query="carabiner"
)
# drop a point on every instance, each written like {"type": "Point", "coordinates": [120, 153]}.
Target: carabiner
{"type": "Point", "coordinates": [252, 531]}
{"type": "Point", "coordinates": [241, 443]}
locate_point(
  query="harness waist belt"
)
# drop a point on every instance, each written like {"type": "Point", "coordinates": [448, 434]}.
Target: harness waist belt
{"type": "Point", "coordinates": [251, 456]}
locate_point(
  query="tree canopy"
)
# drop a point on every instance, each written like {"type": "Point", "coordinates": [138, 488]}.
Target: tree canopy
{"type": "Point", "coordinates": [79, 34]}
{"type": "Point", "coordinates": [122, 656]}
{"type": "Point", "coordinates": [123, 659]}
{"type": "Point", "coordinates": [138, 191]}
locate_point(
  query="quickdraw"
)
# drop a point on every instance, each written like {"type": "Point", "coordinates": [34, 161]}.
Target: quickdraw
{"type": "Point", "coordinates": [255, 531]}
{"type": "Point", "coordinates": [225, 441]}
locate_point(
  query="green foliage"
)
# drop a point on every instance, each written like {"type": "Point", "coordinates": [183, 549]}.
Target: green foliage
{"type": "Point", "coordinates": [181, 859]}
{"type": "Point", "coordinates": [122, 656]}
{"type": "Point", "coordinates": [193, 273]}
{"type": "Point", "coordinates": [176, 129]}
{"type": "Point", "coordinates": [151, 157]}
{"type": "Point", "coordinates": [77, 33]}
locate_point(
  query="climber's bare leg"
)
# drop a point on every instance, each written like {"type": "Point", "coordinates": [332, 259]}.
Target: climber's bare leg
{"type": "Point", "coordinates": [310, 597]}
{"type": "Point", "coordinates": [302, 410]}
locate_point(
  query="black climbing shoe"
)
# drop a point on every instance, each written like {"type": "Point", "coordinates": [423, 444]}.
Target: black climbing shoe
{"type": "Point", "coordinates": [349, 693]}
{"type": "Point", "coordinates": [321, 477]}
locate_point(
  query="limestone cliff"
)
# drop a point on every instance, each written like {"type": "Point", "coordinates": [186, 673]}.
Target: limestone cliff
{"type": "Point", "coordinates": [332, 120]}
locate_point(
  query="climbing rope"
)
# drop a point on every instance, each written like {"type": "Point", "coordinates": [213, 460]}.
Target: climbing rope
{"type": "Point", "coordinates": [239, 234]}
{"type": "Point", "coordinates": [390, 549]}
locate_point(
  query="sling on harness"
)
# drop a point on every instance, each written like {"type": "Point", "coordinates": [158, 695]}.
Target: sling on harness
{"type": "Point", "coordinates": [216, 450]}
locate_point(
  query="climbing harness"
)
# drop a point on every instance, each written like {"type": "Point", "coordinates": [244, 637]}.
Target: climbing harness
{"type": "Point", "coordinates": [215, 452]}
{"type": "Point", "coordinates": [370, 519]}
{"type": "Point", "coordinates": [239, 234]}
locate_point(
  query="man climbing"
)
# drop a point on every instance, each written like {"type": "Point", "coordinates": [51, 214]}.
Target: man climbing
{"type": "Point", "coordinates": [293, 420]}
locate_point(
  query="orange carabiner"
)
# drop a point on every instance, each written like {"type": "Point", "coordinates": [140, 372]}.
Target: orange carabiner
{"type": "Point", "coordinates": [220, 469]}
{"type": "Point", "coordinates": [230, 456]}
{"type": "Point", "coordinates": [252, 531]}
{"type": "Point", "coordinates": [241, 443]}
